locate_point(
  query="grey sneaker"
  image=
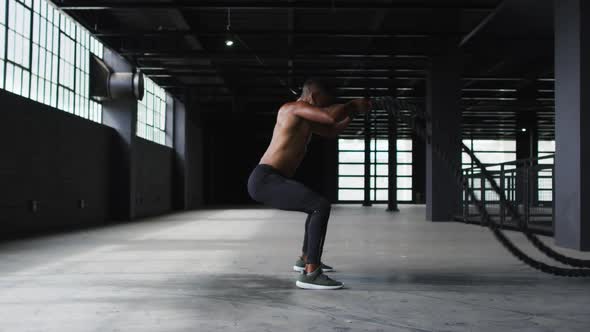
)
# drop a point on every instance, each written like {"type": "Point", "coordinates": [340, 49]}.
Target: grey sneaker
{"type": "Point", "coordinates": [317, 280]}
{"type": "Point", "coordinates": [326, 268]}
{"type": "Point", "coordinates": [300, 266]}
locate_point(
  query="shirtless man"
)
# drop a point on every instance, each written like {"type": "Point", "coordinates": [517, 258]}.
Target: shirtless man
{"type": "Point", "coordinates": [270, 182]}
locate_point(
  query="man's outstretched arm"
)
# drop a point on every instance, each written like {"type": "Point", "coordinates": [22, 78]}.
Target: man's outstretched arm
{"type": "Point", "coordinates": [341, 111]}
{"type": "Point", "coordinates": [312, 113]}
{"type": "Point", "coordinates": [331, 114]}
{"type": "Point", "coordinates": [330, 131]}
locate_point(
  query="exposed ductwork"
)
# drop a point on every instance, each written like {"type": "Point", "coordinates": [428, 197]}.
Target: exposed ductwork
{"type": "Point", "coordinates": [106, 84]}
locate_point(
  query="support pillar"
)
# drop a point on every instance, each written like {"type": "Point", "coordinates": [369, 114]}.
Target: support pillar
{"type": "Point", "coordinates": [443, 106]}
{"type": "Point", "coordinates": [526, 136]}
{"type": "Point", "coordinates": [121, 115]}
{"type": "Point", "coordinates": [180, 178]}
{"type": "Point", "coordinates": [194, 154]}
{"type": "Point", "coordinates": [526, 148]}
{"type": "Point", "coordinates": [367, 133]}
{"type": "Point", "coordinates": [418, 169]}
{"type": "Point", "coordinates": [572, 120]}
{"type": "Point", "coordinates": [392, 164]}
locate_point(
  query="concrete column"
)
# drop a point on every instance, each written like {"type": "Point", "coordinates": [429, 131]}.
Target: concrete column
{"type": "Point", "coordinates": [121, 114]}
{"type": "Point", "coordinates": [418, 169]}
{"type": "Point", "coordinates": [443, 106]}
{"type": "Point", "coordinates": [367, 192]}
{"type": "Point", "coordinates": [527, 139]}
{"type": "Point", "coordinates": [572, 120]}
{"type": "Point", "coordinates": [392, 164]}
{"type": "Point", "coordinates": [180, 192]}
{"type": "Point", "coordinates": [170, 116]}
{"type": "Point", "coordinates": [526, 148]}
{"type": "Point", "coordinates": [194, 153]}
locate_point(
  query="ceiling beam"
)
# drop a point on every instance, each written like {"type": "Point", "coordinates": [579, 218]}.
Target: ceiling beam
{"type": "Point", "coordinates": [268, 5]}
{"type": "Point", "coordinates": [317, 33]}
{"type": "Point", "coordinates": [482, 24]}
{"type": "Point", "coordinates": [299, 74]}
{"type": "Point", "coordinates": [236, 53]}
{"type": "Point", "coordinates": [328, 67]}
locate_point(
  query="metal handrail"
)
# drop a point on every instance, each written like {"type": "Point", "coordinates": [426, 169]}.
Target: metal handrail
{"type": "Point", "coordinates": [515, 162]}
{"type": "Point", "coordinates": [519, 185]}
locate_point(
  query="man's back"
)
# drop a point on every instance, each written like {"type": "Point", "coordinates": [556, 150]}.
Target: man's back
{"type": "Point", "coordinates": [289, 140]}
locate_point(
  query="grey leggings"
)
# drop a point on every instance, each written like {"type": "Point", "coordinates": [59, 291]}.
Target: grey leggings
{"type": "Point", "coordinates": [267, 185]}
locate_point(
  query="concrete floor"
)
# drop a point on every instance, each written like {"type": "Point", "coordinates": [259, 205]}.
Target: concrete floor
{"type": "Point", "coordinates": [230, 270]}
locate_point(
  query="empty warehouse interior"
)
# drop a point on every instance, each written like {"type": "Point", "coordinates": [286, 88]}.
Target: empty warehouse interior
{"type": "Point", "coordinates": [162, 162]}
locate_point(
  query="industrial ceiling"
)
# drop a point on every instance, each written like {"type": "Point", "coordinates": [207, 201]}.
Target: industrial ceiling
{"type": "Point", "coordinates": [367, 48]}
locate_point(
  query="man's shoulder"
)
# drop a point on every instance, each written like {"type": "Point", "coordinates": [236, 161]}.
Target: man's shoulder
{"type": "Point", "coordinates": [292, 105]}
{"type": "Point", "coordinates": [287, 112]}
{"type": "Point", "coordinates": [289, 108]}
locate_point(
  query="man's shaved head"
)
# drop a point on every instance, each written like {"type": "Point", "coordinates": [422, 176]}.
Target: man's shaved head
{"type": "Point", "coordinates": [318, 89]}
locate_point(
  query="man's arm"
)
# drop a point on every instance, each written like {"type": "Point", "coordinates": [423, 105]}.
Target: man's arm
{"type": "Point", "coordinates": [312, 113]}
{"type": "Point", "coordinates": [330, 131]}
{"type": "Point", "coordinates": [341, 111]}
{"type": "Point", "coordinates": [332, 114]}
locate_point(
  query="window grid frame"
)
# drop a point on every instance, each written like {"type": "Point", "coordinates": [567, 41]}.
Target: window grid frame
{"type": "Point", "coordinates": [71, 92]}
{"type": "Point", "coordinates": [373, 164]}
{"type": "Point", "coordinates": [6, 60]}
{"type": "Point", "coordinates": [154, 94]}
{"type": "Point", "coordinates": [4, 54]}
{"type": "Point", "coordinates": [541, 152]}
{"type": "Point", "coordinates": [40, 83]}
{"type": "Point", "coordinates": [49, 20]}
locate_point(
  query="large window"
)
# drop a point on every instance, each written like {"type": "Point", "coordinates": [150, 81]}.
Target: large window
{"type": "Point", "coordinates": [545, 176]}
{"type": "Point", "coordinates": [404, 170]}
{"type": "Point", "coordinates": [18, 40]}
{"type": "Point", "coordinates": [151, 113]}
{"type": "Point", "coordinates": [67, 59]}
{"type": "Point", "coordinates": [379, 170]}
{"type": "Point", "coordinates": [351, 170]}
{"type": "Point", "coordinates": [47, 56]}
{"type": "Point", "coordinates": [2, 41]}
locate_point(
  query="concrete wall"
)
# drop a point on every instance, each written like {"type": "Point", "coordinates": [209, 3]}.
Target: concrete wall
{"type": "Point", "coordinates": [153, 178]}
{"type": "Point", "coordinates": [188, 156]}
{"type": "Point", "coordinates": [56, 159]}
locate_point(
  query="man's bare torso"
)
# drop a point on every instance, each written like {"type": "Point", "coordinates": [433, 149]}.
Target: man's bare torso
{"type": "Point", "coordinates": [289, 141]}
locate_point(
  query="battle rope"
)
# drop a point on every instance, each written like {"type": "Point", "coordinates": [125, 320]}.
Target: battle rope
{"type": "Point", "coordinates": [395, 106]}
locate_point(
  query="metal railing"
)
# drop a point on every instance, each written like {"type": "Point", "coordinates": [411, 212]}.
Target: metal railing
{"type": "Point", "coordinates": [527, 184]}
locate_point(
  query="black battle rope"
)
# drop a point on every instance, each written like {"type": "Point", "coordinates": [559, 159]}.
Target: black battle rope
{"type": "Point", "coordinates": [512, 211]}
{"type": "Point", "coordinates": [394, 106]}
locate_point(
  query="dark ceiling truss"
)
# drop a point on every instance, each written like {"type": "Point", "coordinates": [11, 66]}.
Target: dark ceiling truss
{"type": "Point", "coordinates": [269, 5]}
{"type": "Point", "coordinates": [276, 55]}
{"type": "Point", "coordinates": [482, 24]}
{"type": "Point", "coordinates": [266, 33]}
{"type": "Point", "coordinates": [507, 74]}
